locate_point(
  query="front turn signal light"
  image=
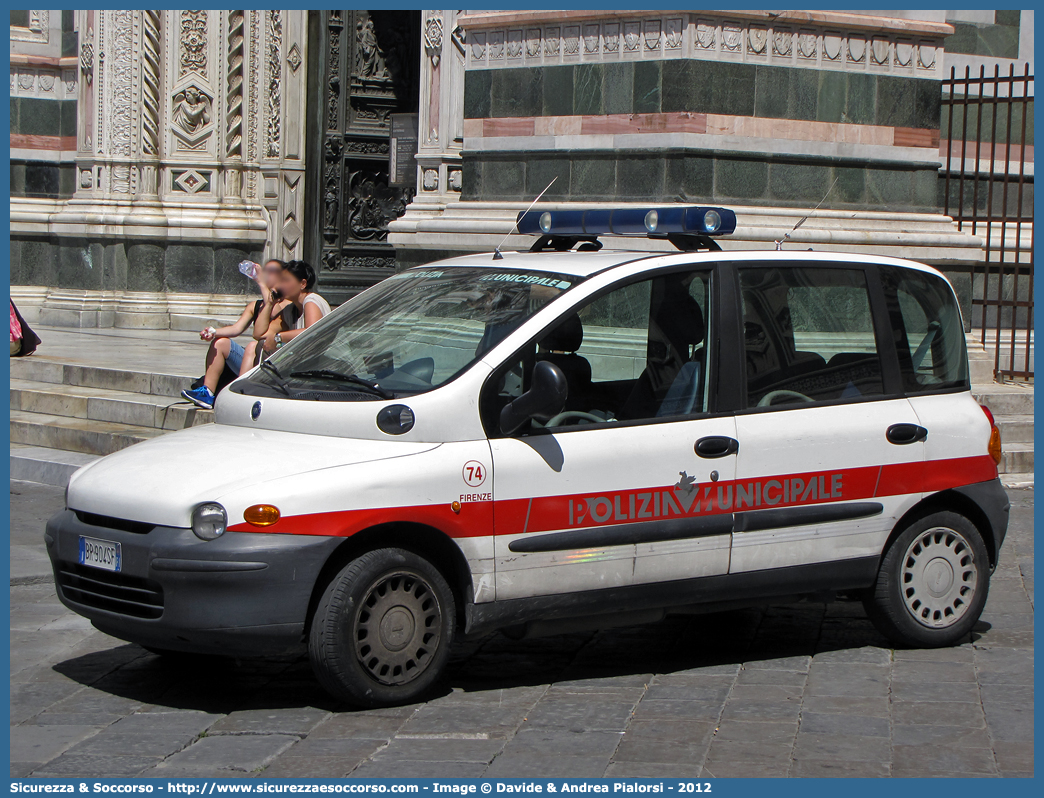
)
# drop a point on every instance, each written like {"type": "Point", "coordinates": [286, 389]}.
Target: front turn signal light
{"type": "Point", "coordinates": [994, 446]}
{"type": "Point", "coordinates": [261, 515]}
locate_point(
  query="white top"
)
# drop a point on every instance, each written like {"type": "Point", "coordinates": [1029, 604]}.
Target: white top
{"type": "Point", "coordinates": [314, 299]}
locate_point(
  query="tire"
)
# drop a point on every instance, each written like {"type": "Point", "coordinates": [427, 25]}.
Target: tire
{"type": "Point", "coordinates": [382, 632]}
{"type": "Point", "coordinates": [932, 583]}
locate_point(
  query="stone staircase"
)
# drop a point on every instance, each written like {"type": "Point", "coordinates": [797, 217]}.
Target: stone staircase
{"type": "Point", "coordinates": [65, 415]}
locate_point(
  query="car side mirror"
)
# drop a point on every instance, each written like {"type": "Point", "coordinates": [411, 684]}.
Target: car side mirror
{"type": "Point", "coordinates": [546, 397]}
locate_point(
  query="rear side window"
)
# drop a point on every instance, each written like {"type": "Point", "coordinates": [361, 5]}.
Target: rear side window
{"type": "Point", "coordinates": [928, 332]}
{"type": "Point", "coordinates": [808, 335]}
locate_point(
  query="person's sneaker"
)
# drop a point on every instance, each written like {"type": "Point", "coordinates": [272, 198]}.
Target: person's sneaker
{"type": "Point", "coordinates": [200, 397]}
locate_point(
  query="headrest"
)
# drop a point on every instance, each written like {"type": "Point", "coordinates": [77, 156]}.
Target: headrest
{"type": "Point", "coordinates": [680, 319]}
{"type": "Point", "coordinates": [567, 335]}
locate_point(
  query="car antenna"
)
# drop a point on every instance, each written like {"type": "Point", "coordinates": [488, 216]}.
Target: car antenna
{"type": "Point", "coordinates": [805, 218]}
{"type": "Point", "coordinates": [496, 252]}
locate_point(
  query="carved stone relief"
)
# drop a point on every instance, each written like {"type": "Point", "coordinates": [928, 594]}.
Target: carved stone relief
{"type": "Point", "coordinates": [150, 82]}
{"type": "Point", "coordinates": [275, 74]}
{"type": "Point", "coordinates": [234, 88]}
{"type": "Point", "coordinates": [193, 42]}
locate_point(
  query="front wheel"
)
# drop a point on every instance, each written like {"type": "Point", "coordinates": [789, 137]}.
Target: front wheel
{"type": "Point", "coordinates": [382, 632]}
{"type": "Point", "coordinates": [932, 583]}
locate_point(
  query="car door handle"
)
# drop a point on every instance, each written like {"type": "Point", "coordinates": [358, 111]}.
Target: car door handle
{"type": "Point", "coordinates": [716, 446]}
{"type": "Point", "coordinates": [902, 434]}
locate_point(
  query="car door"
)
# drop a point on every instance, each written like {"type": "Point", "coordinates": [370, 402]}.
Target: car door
{"type": "Point", "coordinates": [830, 449]}
{"type": "Point", "coordinates": [612, 492]}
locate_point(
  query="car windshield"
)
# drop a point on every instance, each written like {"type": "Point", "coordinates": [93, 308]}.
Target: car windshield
{"type": "Point", "coordinates": [413, 332]}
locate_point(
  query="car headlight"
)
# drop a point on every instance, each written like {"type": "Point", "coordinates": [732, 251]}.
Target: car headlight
{"type": "Point", "coordinates": [209, 521]}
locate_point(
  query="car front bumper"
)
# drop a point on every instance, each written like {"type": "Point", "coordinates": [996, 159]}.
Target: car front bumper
{"type": "Point", "coordinates": [244, 594]}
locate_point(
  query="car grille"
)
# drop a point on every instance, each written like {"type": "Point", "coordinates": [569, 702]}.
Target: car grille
{"type": "Point", "coordinates": [93, 519]}
{"type": "Point", "coordinates": [115, 592]}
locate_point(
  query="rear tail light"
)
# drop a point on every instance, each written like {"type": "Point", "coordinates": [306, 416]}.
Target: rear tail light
{"type": "Point", "coordinates": [994, 446]}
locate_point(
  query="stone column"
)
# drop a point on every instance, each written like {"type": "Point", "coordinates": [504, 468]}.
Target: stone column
{"type": "Point", "coordinates": [283, 89]}
{"type": "Point", "coordinates": [440, 122]}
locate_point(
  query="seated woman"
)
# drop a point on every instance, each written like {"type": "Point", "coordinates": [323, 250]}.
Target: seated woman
{"type": "Point", "coordinates": [223, 350]}
{"type": "Point", "coordinates": [305, 307]}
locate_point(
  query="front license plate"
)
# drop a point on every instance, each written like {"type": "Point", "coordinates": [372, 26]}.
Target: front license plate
{"type": "Point", "coordinates": [100, 554]}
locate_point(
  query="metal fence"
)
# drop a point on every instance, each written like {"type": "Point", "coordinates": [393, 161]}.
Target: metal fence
{"type": "Point", "coordinates": [987, 139]}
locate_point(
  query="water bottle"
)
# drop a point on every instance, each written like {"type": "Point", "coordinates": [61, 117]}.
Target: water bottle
{"type": "Point", "coordinates": [249, 269]}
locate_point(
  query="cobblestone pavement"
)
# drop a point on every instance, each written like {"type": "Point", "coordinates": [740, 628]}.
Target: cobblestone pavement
{"type": "Point", "coordinates": [807, 689]}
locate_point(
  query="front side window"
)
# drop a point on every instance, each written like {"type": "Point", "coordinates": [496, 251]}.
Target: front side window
{"type": "Point", "coordinates": [415, 331]}
{"type": "Point", "coordinates": [808, 336]}
{"type": "Point", "coordinates": [927, 328]}
{"type": "Point", "coordinates": [636, 353]}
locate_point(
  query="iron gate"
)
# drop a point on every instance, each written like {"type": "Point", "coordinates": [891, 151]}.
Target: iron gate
{"type": "Point", "coordinates": [987, 139]}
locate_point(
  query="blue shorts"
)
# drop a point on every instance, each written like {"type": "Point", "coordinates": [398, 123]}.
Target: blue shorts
{"type": "Point", "coordinates": [234, 360]}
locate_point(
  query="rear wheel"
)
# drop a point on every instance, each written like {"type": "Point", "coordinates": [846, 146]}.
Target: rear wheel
{"type": "Point", "coordinates": [383, 628]}
{"type": "Point", "coordinates": [932, 583]}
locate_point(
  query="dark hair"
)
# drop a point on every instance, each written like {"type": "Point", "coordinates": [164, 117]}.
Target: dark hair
{"type": "Point", "coordinates": [302, 271]}
{"type": "Point", "coordinates": [282, 264]}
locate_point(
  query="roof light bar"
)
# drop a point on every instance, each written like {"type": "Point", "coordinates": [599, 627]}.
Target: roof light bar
{"type": "Point", "coordinates": [673, 219]}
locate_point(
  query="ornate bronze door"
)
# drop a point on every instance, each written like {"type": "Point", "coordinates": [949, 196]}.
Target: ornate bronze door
{"type": "Point", "coordinates": [367, 66]}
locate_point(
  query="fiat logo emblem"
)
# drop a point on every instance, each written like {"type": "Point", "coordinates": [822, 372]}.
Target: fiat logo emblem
{"type": "Point", "coordinates": [255, 411]}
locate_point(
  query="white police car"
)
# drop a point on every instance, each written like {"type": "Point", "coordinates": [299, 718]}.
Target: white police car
{"type": "Point", "coordinates": [569, 435]}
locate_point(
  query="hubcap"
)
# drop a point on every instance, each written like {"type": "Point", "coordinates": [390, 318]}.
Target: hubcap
{"type": "Point", "coordinates": [939, 577]}
{"type": "Point", "coordinates": [397, 628]}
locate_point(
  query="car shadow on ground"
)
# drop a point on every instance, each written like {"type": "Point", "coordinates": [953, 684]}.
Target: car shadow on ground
{"type": "Point", "coordinates": [626, 656]}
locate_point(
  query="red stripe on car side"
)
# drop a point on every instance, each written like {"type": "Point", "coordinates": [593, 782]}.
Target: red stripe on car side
{"type": "Point", "coordinates": [578, 511]}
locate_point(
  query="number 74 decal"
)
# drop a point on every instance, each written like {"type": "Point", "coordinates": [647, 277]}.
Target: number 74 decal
{"type": "Point", "coordinates": [474, 473]}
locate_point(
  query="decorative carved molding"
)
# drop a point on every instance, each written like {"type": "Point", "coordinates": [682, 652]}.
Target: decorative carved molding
{"type": "Point", "coordinates": [193, 42]}
{"type": "Point", "coordinates": [334, 30]}
{"type": "Point", "coordinates": [807, 45]}
{"type": "Point", "coordinates": [121, 86]}
{"type": "Point", "coordinates": [433, 34]}
{"type": "Point", "coordinates": [234, 87]}
{"type": "Point", "coordinates": [496, 46]}
{"type": "Point", "coordinates": [757, 40]}
{"type": "Point", "coordinates": [275, 74]}
{"type": "Point", "coordinates": [632, 36]}
{"type": "Point", "coordinates": [87, 61]}
{"type": "Point", "coordinates": [590, 39]}
{"type": "Point", "coordinates": [673, 33]}
{"type": "Point", "coordinates": [810, 43]}
{"type": "Point", "coordinates": [150, 82]}
{"type": "Point", "coordinates": [514, 44]}
{"type": "Point", "coordinates": [571, 40]}
{"type": "Point", "coordinates": [533, 42]}
{"type": "Point", "coordinates": [293, 58]}
{"type": "Point", "coordinates": [732, 38]}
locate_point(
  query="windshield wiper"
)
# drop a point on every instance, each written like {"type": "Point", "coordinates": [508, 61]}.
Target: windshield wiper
{"type": "Point", "coordinates": [354, 379]}
{"type": "Point", "coordinates": [271, 368]}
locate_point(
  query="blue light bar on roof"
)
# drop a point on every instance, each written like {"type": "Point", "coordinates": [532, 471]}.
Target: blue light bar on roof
{"type": "Point", "coordinates": [686, 219]}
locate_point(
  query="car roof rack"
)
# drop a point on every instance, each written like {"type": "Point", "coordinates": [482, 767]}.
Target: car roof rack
{"type": "Point", "coordinates": [684, 242]}
{"type": "Point", "coordinates": [564, 243]}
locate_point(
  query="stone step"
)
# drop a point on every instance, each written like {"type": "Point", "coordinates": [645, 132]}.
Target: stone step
{"type": "Point", "coordinates": [1005, 399]}
{"type": "Point", "coordinates": [1015, 428]}
{"type": "Point", "coordinates": [189, 323]}
{"type": "Point", "coordinates": [101, 404]}
{"type": "Point", "coordinates": [45, 370]}
{"type": "Point", "coordinates": [46, 466]}
{"type": "Point", "coordinates": [76, 434]}
{"type": "Point", "coordinates": [1016, 458]}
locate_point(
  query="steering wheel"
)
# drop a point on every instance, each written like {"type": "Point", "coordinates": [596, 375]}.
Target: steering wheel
{"type": "Point", "coordinates": [772, 396]}
{"type": "Point", "coordinates": [579, 415]}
